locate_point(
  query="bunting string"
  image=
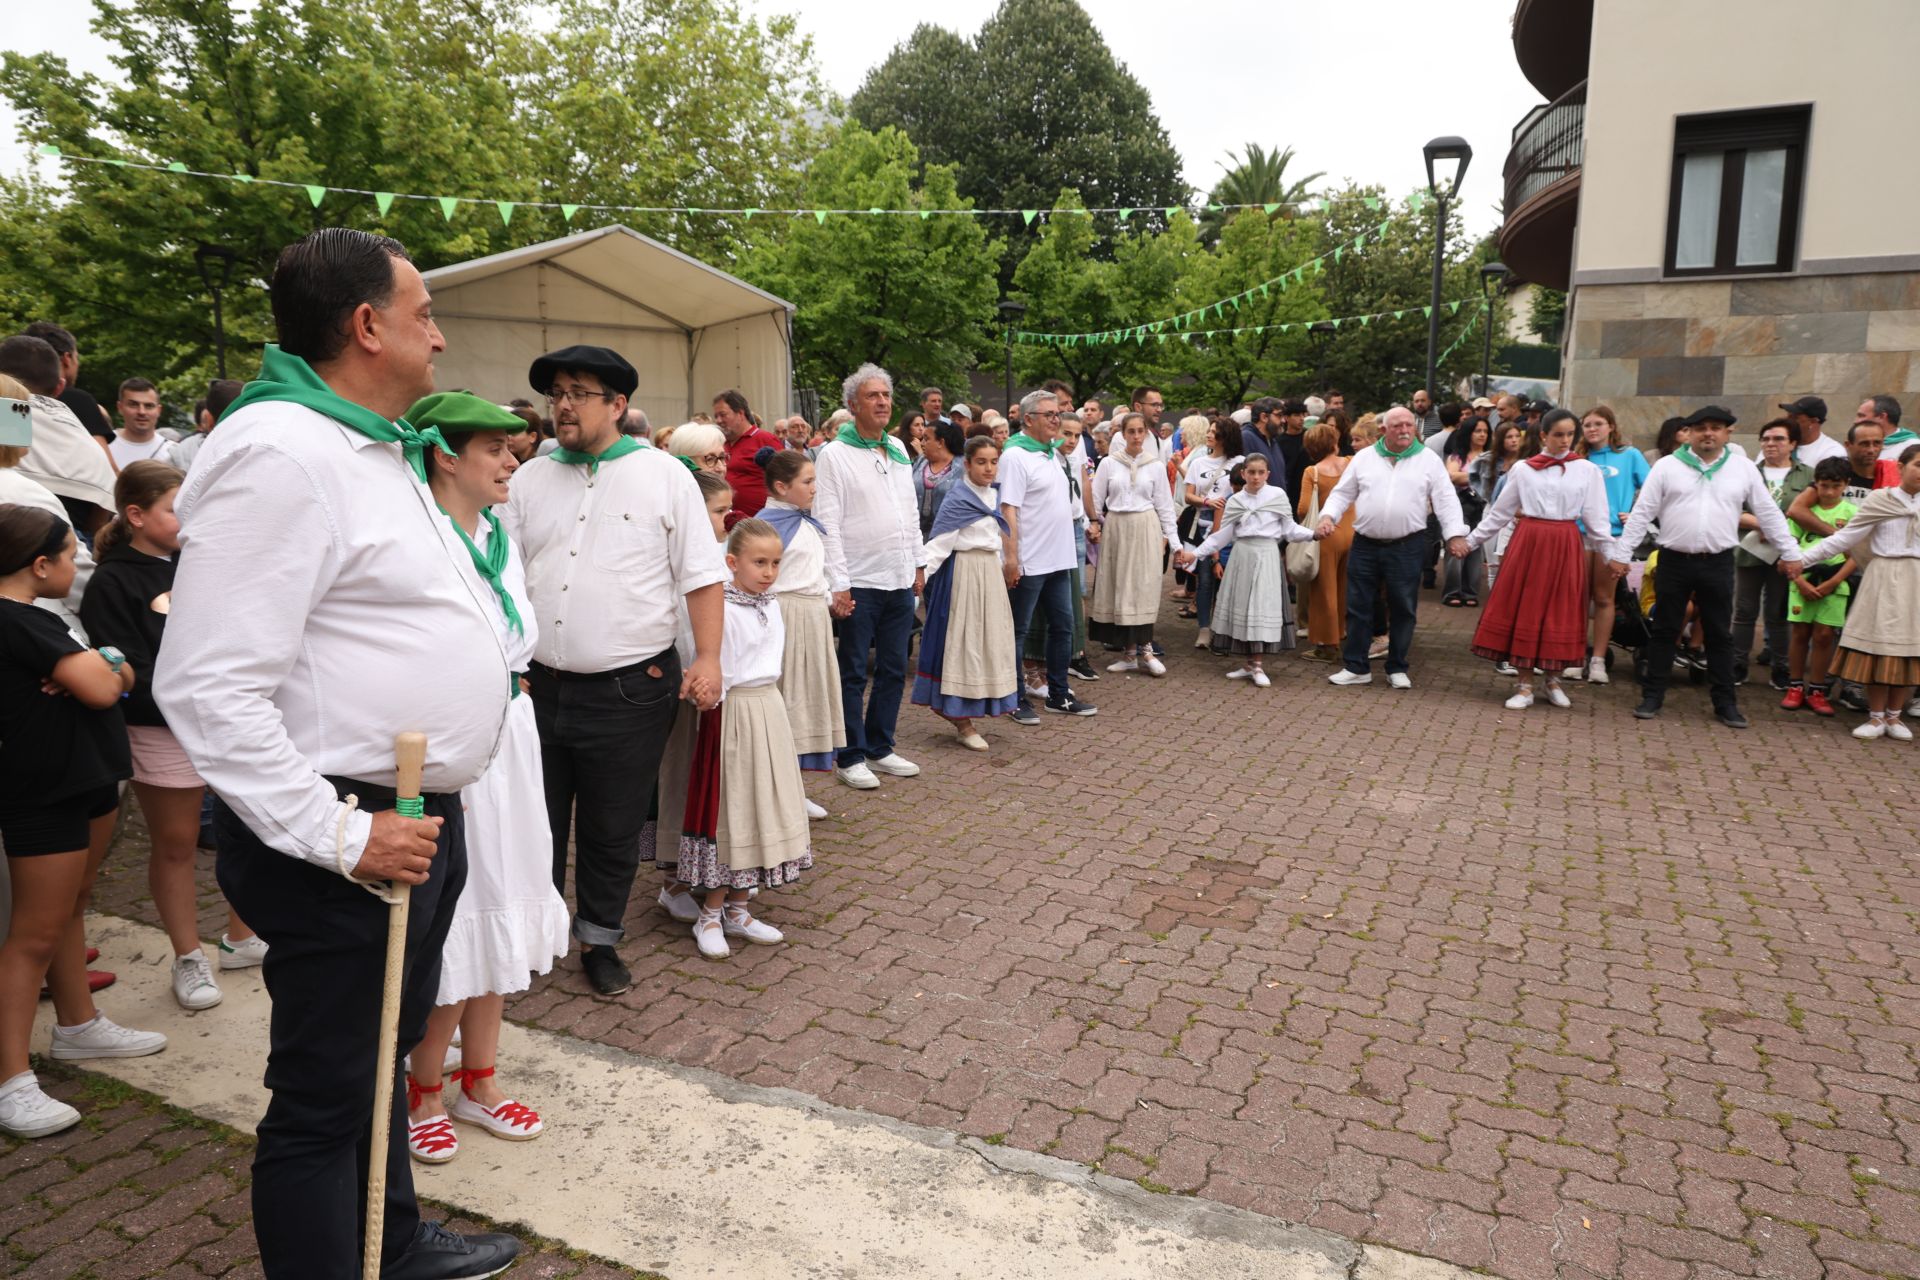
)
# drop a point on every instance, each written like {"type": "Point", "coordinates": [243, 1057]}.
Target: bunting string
{"type": "Point", "coordinates": [1142, 334]}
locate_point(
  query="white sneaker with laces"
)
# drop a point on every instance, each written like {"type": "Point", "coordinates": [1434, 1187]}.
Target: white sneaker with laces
{"type": "Point", "coordinates": [1597, 671]}
{"type": "Point", "coordinates": [1154, 666]}
{"type": "Point", "coordinates": [1239, 673]}
{"type": "Point", "coordinates": [1400, 680]}
{"type": "Point", "coordinates": [1521, 700]}
{"type": "Point", "coordinates": [193, 984]}
{"type": "Point", "coordinates": [1870, 730]}
{"type": "Point", "coordinates": [739, 924]}
{"type": "Point", "coordinates": [104, 1038]}
{"type": "Point", "coordinates": [857, 776]}
{"type": "Point", "coordinates": [1261, 679]}
{"type": "Point", "coordinates": [895, 765]}
{"type": "Point", "coordinates": [1558, 696]}
{"type": "Point", "coordinates": [680, 906]}
{"type": "Point", "coordinates": [710, 934]}
{"type": "Point", "coordinates": [1036, 688]}
{"type": "Point", "coordinates": [244, 954]}
{"type": "Point", "coordinates": [27, 1112]}
{"type": "Point", "coordinates": [1124, 665]}
{"type": "Point", "coordinates": [1898, 731]}
{"type": "Point", "coordinates": [814, 811]}
{"type": "Point", "coordinates": [1346, 677]}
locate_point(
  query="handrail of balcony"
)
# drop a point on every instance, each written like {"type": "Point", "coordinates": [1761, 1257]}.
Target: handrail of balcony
{"type": "Point", "coordinates": [1548, 144]}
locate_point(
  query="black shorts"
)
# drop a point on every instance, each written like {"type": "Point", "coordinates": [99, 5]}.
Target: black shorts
{"type": "Point", "coordinates": [60, 827]}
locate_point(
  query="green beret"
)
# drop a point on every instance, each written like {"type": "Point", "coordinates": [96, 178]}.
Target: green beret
{"type": "Point", "coordinates": [452, 411]}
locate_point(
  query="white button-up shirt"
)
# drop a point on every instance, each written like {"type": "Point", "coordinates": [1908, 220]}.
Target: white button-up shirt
{"type": "Point", "coordinates": [323, 604]}
{"type": "Point", "coordinates": [865, 501]}
{"type": "Point", "coordinates": [1573, 491]}
{"type": "Point", "coordinates": [1390, 499]}
{"type": "Point", "coordinates": [1118, 488]}
{"type": "Point", "coordinates": [609, 553]}
{"type": "Point", "coordinates": [1701, 516]}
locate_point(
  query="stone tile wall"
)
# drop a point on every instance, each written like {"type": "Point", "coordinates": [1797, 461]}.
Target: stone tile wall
{"type": "Point", "coordinates": [1655, 350]}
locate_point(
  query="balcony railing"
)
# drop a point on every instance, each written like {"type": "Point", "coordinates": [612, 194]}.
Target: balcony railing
{"type": "Point", "coordinates": [1548, 144]}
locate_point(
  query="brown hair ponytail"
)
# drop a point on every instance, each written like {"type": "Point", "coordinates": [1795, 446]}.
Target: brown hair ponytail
{"type": "Point", "coordinates": [141, 485]}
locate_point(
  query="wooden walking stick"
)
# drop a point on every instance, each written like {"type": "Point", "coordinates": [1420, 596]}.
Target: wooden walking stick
{"type": "Point", "coordinates": [410, 758]}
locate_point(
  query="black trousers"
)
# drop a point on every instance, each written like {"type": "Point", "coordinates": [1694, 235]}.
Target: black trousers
{"type": "Point", "coordinates": [601, 738]}
{"type": "Point", "coordinates": [1707, 581]}
{"type": "Point", "coordinates": [325, 969]}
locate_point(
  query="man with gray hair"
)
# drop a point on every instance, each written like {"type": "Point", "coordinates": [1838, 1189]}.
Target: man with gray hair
{"type": "Point", "coordinates": [1040, 556]}
{"type": "Point", "coordinates": [876, 565]}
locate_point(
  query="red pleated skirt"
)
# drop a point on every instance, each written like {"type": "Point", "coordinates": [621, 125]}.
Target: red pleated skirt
{"type": "Point", "coordinates": [1537, 615]}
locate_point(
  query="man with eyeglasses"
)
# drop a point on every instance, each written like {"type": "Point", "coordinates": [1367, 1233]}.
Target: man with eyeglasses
{"type": "Point", "coordinates": [1039, 556]}
{"type": "Point", "coordinates": [614, 535]}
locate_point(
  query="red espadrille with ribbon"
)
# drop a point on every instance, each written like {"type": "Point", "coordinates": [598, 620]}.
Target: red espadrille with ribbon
{"type": "Point", "coordinates": [509, 1120]}
{"type": "Point", "coordinates": [430, 1141]}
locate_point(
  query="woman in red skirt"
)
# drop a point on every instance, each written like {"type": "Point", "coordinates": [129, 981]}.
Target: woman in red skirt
{"type": "Point", "coordinates": [1536, 617]}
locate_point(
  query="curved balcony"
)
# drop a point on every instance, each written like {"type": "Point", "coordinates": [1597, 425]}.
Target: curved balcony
{"type": "Point", "coordinates": [1552, 42]}
{"type": "Point", "coordinates": [1543, 189]}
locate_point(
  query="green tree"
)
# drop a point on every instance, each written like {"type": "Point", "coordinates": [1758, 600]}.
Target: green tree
{"type": "Point", "coordinates": [912, 294]}
{"type": "Point", "coordinates": [1258, 177]}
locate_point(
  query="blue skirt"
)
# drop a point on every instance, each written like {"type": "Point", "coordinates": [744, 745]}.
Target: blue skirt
{"type": "Point", "coordinates": [933, 653]}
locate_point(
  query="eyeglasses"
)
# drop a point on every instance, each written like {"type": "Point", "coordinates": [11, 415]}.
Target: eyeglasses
{"type": "Point", "coordinates": [579, 395]}
{"type": "Point", "coordinates": [1044, 413]}
{"type": "Point", "coordinates": [709, 459]}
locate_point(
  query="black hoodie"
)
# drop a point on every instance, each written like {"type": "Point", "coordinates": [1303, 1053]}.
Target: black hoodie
{"type": "Point", "coordinates": [119, 610]}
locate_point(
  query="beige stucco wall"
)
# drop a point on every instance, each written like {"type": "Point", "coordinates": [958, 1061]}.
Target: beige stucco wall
{"type": "Point", "coordinates": [1657, 59]}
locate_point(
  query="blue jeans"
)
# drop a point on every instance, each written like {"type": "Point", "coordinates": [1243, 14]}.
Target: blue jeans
{"type": "Point", "coordinates": [1053, 593]}
{"type": "Point", "coordinates": [881, 625]}
{"type": "Point", "coordinates": [1371, 566]}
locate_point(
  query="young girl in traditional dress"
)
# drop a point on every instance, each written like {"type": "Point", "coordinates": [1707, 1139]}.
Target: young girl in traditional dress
{"type": "Point", "coordinates": [966, 648]}
{"type": "Point", "coordinates": [1133, 512]}
{"type": "Point", "coordinates": [809, 671]}
{"type": "Point", "coordinates": [1253, 615]}
{"type": "Point", "coordinates": [1880, 647]}
{"type": "Point", "coordinates": [510, 922]}
{"type": "Point", "coordinates": [746, 819]}
{"type": "Point", "coordinates": [1536, 616]}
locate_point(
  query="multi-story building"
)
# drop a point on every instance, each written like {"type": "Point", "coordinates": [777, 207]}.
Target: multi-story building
{"type": "Point", "coordinates": [1730, 191]}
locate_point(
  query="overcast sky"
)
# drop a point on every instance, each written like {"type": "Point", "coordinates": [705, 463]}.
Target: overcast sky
{"type": "Point", "coordinates": [1354, 89]}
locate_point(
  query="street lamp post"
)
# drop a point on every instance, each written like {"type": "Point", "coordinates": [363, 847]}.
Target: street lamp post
{"type": "Point", "coordinates": [1492, 276]}
{"type": "Point", "coordinates": [1322, 333]}
{"type": "Point", "coordinates": [1010, 313]}
{"type": "Point", "coordinates": [1442, 186]}
{"type": "Point", "coordinates": [216, 269]}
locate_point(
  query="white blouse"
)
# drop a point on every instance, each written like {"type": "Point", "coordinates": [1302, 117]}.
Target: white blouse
{"type": "Point", "coordinates": [982, 535]}
{"type": "Point", "coordinates": [519, 645]}
{"type": "Point", "coordinates": [1886, 539]}
{"type": "Point", "coordinates": [803, 566]}
{"type": "Point", "coordinates": [753, 643]}
{"type": "Point", "coordinates": [1142, 486]}
{"type": "Point", "coordinates": [1266, 514]}
{"type": "Point", "coordinates": [1576, 491]}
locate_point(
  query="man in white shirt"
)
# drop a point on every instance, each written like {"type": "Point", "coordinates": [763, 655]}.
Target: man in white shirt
{"type": "Point", "coordinates": [1808, 415]}
{"type": "Point", "coordinates": [139, 438]}
{"type": "Point", "coordinates": [1039, 553]}
{"type": "Point", "coordinates": [291, 662]}
{"type": "Point", "coordinates": [876, 565]}
{"type": "Point", "coordinates": [1392, 488]}
{"type": "Point", "coordinates": [1884, 411]}
{"type": "Point", "coordinates": [1695, 496]}
{"type": "Point", "coordinates": [614, 536]}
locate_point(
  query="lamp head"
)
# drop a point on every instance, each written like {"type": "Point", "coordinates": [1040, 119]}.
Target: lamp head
{"type": "Point", "coordinates": [1492, 276]}
{"type": "Point", "coordinates": [1446, 164]}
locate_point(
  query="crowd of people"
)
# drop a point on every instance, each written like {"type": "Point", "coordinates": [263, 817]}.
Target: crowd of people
{"type": "Point", "coordinates": [629, 645]}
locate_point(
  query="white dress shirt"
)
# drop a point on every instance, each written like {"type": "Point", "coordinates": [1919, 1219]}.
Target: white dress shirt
{"type": "Point", "coordinates": [1035, 484]}
{"type": "Point", "coordinates": [1266, 514]}
{"type": "Point", "coordinates": [753, 645]}
{"type": "Point", "coordinates": [1700, 516]}
{"type": "Point", "coordinates": [1390, 499]}
{"type": "Point", "coordinates": [1576, 491]}
{"type": "Point", "coordinates": [982, 535]}
{"type": "Point", "coordinates": [1119, 487]}
{"type": "Point", "coordinates": [323, 604]}
{"type": "Point", "coordinates": [866, 503]}
{"type": "Point", "coordinates": [803, 566]}
{"type": "Point", "coordinates": [609, 551]}
{"type": "Point", "coordinates": [1885, 539]}
{"type": "Point", "coordinates": [517, 645]}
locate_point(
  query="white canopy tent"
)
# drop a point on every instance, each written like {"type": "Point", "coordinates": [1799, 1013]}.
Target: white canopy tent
{"type": "Point", "coordinates": [691, 331]}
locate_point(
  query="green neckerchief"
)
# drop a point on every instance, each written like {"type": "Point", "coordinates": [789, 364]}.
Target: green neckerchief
{"type": "Point", "coordinates": [620, 448]}
{"type": "Point", "coordinates": [491, 563]}
{"type": "Point", "coordinates": [1902, 436]}
{"type": "Point", "coordinates": [1380, 446]}
{"type": "Point", "coordinates": [291, 379]}
{"type": "Point", "coordinates": [1021, 440]}
{"type": "Point", "coordinates": [850, 434]}
{"type": "Point", "coordinates": [1706, 469]}
{"type": "Point", "coordinates": [688, 463]}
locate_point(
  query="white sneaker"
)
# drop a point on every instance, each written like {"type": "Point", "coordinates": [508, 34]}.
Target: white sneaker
{"type": "Point", "coordinates": [1239, 673]}
{"type": "Point", "coordinates": [1558, 696]}
{"type": "Point", "coordinates": [1154, 666]}
{"type": "Point", "coordinates": [1898, 731]}
{"type": "Point", "coordinates": [1036, 688]}
{"type": "Point", "coordinates": [814, 811]}
{"type": "Point", "coordinates": [857, 776]}
{"type": "Point", "coordinates": [1504, 668]}
{"type": "Point", "coordinates": [193, 984]}
{"type": "Point", "coordinates": [680, 906]}
{"type": "Point", "coordinates": [1520, 701]}
{"type": "Point", "coordinates": [1346, 677]}
{"type": "Point", "coordinates": [1124, 665]}
{"type": "Point", "coordinates": [710, 934]}
{"type": "Point", "coordinates": [1597, 671]}
{"type": "Point", "coordinates": [739, 924]}
{"type": "Point", "coordinates": [104, 1038]}
{"type": "Point", "coordinates": [895, 765]}
{"type": "Point", "coordinates": [247, 953]}
{"type": "Point", "coordinates": [1261, 680]}
{"type": "Point", "coordinates": [26, 1112]}
{"type": "Point", "coordinates": [1571, 673]}
{"type": "Point", "coordinates": [1871, 729]}
{"type": "Point", "coordinates": [1400, 680]}
{"type": "Point", "coordinates": [1203, 639]}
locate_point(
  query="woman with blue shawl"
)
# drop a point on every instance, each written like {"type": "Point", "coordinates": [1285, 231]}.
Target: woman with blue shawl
{"type": "Point", "coordinates": [967, 665]}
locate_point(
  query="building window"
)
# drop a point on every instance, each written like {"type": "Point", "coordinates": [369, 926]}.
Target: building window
{"type": "Point", "coordinates": [1735, 202]}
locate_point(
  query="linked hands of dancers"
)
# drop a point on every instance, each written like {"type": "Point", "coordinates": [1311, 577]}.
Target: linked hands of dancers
{"type": "Point", "coordinates": [1323, 530]}
{"type": "Point", "coordinates": [841, 606]}
{"type": "Point", "coordinates": [399, 848]}
{"type": "Point", "coordinates": [1456, 547]}
{"type": "Point", "coordinates": [701, 683]}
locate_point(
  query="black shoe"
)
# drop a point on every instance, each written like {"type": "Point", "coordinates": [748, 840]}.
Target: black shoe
{"type": "Point", "coordinates": [1648, 709]}
{"type": "Point", "coordinates": [1112, 648]}
{"type": "Point", "coordinates": [1158, 652]}
{"type": "Point", "coordinates": [1765, 658]}
{"type": "Point", "coordinates": [438, 1254]}
{"type": "Point", "coordinates": [1026, 715]}
{"type": "Point", "coordinates": [605, 972]}
{"type": "Point", "coordinates": [1852, 697]}
{"type": "Point", "coordinates": [1072, 706]}
{"type": "Point", "coordinates": [1730, 717]}
{"type": "Point", "coordinates": [1740, 673]}
{"type": "Point", "coordinates": [1083, 669]}
{"type": "Point", "coordinates": [1780, 679]}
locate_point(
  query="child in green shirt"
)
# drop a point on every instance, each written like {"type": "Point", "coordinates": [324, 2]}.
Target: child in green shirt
{"type": "Point", "coordinates": [1817, 607]}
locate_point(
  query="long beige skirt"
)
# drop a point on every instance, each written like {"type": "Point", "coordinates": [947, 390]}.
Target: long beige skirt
{"type": "Point", "coordinates": [810, 676]}
{"type": "Point", "coordinates": [746, 822]}
{"type": "Point", "coordinates": [1885, 617]}
{"type": "Point", "coordinates": [1127, 591]}
{"type": "Point", "coordinates": [978, 660]}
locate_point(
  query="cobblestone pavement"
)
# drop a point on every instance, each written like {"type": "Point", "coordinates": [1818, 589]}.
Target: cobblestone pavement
{"type": "Point", "coordinates": [140, 1190]}
{"type": "Point", "coordinates": [1551, 993]}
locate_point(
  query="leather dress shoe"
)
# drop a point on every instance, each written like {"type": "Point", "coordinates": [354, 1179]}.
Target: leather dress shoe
{"type": "Point", "coordinates": [438, 1254]}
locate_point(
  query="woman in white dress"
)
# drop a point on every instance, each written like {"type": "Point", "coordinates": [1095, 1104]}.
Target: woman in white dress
{"type": "Point", "coordinates": [510, 923]}
{"type": "Point", "coordinates": [1133, 511]}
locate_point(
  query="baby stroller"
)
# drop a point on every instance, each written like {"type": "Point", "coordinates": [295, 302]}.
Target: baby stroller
{"type": "Point", "coordinates": [1630, 630]}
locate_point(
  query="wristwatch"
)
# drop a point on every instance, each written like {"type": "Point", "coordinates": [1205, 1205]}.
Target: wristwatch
{"type": "Point", "coordinates": [114, 657]}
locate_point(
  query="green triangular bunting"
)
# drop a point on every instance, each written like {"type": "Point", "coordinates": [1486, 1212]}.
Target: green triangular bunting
{"type": "Point", "coordinates": [48, 149]}
{"type": "Point", "coordinates": [506, 212]}
{"type": "Point", "coordinates": [384, 199]}
{"type": "Point", "coordinates": [316, 195]}
{"type": "Point", "coordinates": [176, 167]}
{"type": "Point", "coordinates": [1269, 208]}
{"type": "Point", "coordinates": [1028, 215]}
{"type": "Point", "coordinates": [447, 205]}
{"type": "Point", "coordinates": [820, 216]}
{"type": "Point", "coordinates": [1125, 214]}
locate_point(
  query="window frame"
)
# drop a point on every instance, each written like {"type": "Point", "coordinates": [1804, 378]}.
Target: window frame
{"type": "Point", "coordinates": [1732, 134]}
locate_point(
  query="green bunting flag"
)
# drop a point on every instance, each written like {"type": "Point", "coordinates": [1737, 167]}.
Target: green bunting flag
{"type": "Point", "coordinates": [447, 206]}
{"type": "Point", "coordinates": [177, 167]}
{"type": "Point", "coordinates": [820, 216]}
{"type": "Point", "coordinates": [383, 199]}
{"type": "Point", "coordinates": [1125, 214]}
{"type": "Point", "coordinates": [925, 214]}
{"type": "Point", "coordinates": [1268, 209]}
{"type": "Point", "coordinates": [1028, 215]}
{"type": "Point", "coordinates": [506, 212]}
{"type": "Point", "coordinates": [316, 194]}
{"type": "Point", "coordinates": [48, 149]}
